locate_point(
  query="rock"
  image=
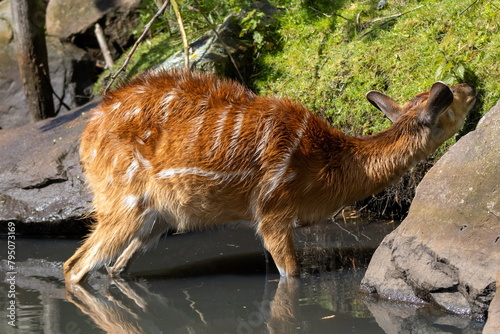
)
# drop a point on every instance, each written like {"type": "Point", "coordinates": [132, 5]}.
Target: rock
{"type": "Point", "coordinates": [381, 4]}
{"type": "Point", "coordinates": [396, 318]}
{"type": "Point", "coordinates": [75, 21]}
{"type": "Point", "coordinates": [493, 324]}
{"type": "Point", "coordinates": [41, 179]}
{"type": "Point", "coordinates": [208, 53]}
{"type": "Point", "coordinates": [67, 18]}
{"type": "Point", "coordinates": [6, 32]}
{"type": "Point", "coordinates": [71, 73]}
{"type": "Point", "coordinates": [447, 251]}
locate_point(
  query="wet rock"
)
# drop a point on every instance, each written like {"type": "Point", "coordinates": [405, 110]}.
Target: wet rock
{"type": "Point", "coordinates": [446, 251]}
{"type": "Point", "coordinates": [396, 318]}
{"type": "Point", "coordinates": [41, 178]}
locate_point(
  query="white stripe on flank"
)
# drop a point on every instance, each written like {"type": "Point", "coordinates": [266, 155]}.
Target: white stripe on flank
{"type": "Point", "coordinates": [165, 104]}
{"type": "Point", "coordinates": [167, 99]}
{"type": "Point", "coordinates": [96, 114]}
{"type": "Point", "coordinates": [129, 114]}
{"type": "Point", "coordinates": [219, 129]}
{"type": "Point", "coordinates": [264, 138]}
{"type": "Point", "coordinates": [197, 127]}
{"type": "Point", "coordinates": [141, 89]}
{"type": "Point", "coordinates": [92, 155]}
{"type": "Point", "coordinates": [115, 161]}
{"type": "Point", "coordinates": [280, 170]}
{"type": "Point", "coordinates": [235, 137]}
{"type": "Point", "coordinates": [169, 173]}
{"type": "Point", "coordinates": [141, 160]}
{"type": "Point", "coordinates": [131, 170]}
{"type": "Point", "coordinates": [116, 106]}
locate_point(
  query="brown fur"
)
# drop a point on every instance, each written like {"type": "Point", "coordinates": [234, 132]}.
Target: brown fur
{"type": "Point", "coordinates": [187, 151]}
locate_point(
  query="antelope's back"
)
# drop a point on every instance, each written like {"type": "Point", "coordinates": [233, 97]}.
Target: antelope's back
{"type": "Point", "coordinates": [193, 139]}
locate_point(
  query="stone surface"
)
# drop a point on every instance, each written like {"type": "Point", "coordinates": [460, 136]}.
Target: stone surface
{"type": "Point", "coordinates": [447, 250]}
{"type": "Point", "coordinates": [493, 323]}
{"type": "Point", "coordinates": [41, 179]}
{"type": "Point", "coordinates": [398, 318]}
{"type": "Point", "coordinates": [67, 18]}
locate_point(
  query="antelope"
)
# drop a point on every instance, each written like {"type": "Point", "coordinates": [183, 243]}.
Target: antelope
{"type": "Point", "coordinates": [186, 150]}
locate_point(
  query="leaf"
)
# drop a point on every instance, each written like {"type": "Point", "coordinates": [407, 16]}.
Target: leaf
{"type": "Point", "coordinates": [449, 79]}
{"type": "Point", "coordinates": [439, 72]}
{"type": "Point", "coordinates": [258, 38]}
{"type": "Point", "coordinates": [460, 72]}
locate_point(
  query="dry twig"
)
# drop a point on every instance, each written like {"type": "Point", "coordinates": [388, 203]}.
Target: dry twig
{"type": "Point", "coordinates": [103, 45]}
{"type": "Point", "coordinates": [136, 44]}
{"type": "Point", "coordinates": [183, 33]}
{"type": "Point", "coordinates": [386, 20]}
{"type": "Point", "coordinates": [469, 6]}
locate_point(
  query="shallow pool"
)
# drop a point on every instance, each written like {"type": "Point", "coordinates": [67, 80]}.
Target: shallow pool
{"type": "Point", "coordinates": [215, 282]}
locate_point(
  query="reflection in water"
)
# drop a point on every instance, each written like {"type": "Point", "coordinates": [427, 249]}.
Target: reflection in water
{"type": "Point", "coordinates": [286, 306]}
{"type": "Point", "coordinates": [215, 282]}
{"type": "Point", "coordinates": [124, 310]}
{"type": "Point", "coordinates": [132, 308]}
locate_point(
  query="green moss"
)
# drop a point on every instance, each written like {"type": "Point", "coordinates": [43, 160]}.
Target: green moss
{"type": "Point", "coordinates": [335, 52]}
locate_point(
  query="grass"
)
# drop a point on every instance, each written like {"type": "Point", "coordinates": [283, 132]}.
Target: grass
{"type": "Point", "coordinates": [333, 52]}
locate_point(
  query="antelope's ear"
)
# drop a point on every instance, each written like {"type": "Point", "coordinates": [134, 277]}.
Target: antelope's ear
{"type": "Point", "coordinates": [440, 99]}
{"type": "Point", "coordinates": [386, 104]}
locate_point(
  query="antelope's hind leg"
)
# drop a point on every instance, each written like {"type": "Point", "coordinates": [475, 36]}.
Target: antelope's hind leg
{"type": "Point", "coordinates": [113, 241]}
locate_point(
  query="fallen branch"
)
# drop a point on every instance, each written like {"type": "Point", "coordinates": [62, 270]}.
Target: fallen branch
{"type": "Point", "coordinates": [103, 45]}
{"type": "Point", "coordinates": [134, 47]}
{"type": "Point", "coordinates": [386, 20]}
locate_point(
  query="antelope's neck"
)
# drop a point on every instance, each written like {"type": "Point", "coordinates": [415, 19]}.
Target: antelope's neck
{"type": "Point", "coordinates": [382, 159]}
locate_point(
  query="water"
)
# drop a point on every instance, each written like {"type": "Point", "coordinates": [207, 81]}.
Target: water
{"type": "Point", "coordinates": [216, 282]}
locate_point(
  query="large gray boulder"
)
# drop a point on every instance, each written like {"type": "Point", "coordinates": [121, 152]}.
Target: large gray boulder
{"type": "Point", "coordinates": [41, 182]}
{"type": "Point", "coordinates": [447, 250]}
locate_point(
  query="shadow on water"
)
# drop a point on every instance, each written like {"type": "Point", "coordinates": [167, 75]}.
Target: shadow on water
{"type": "Point", "coordinates": [217, 282]}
